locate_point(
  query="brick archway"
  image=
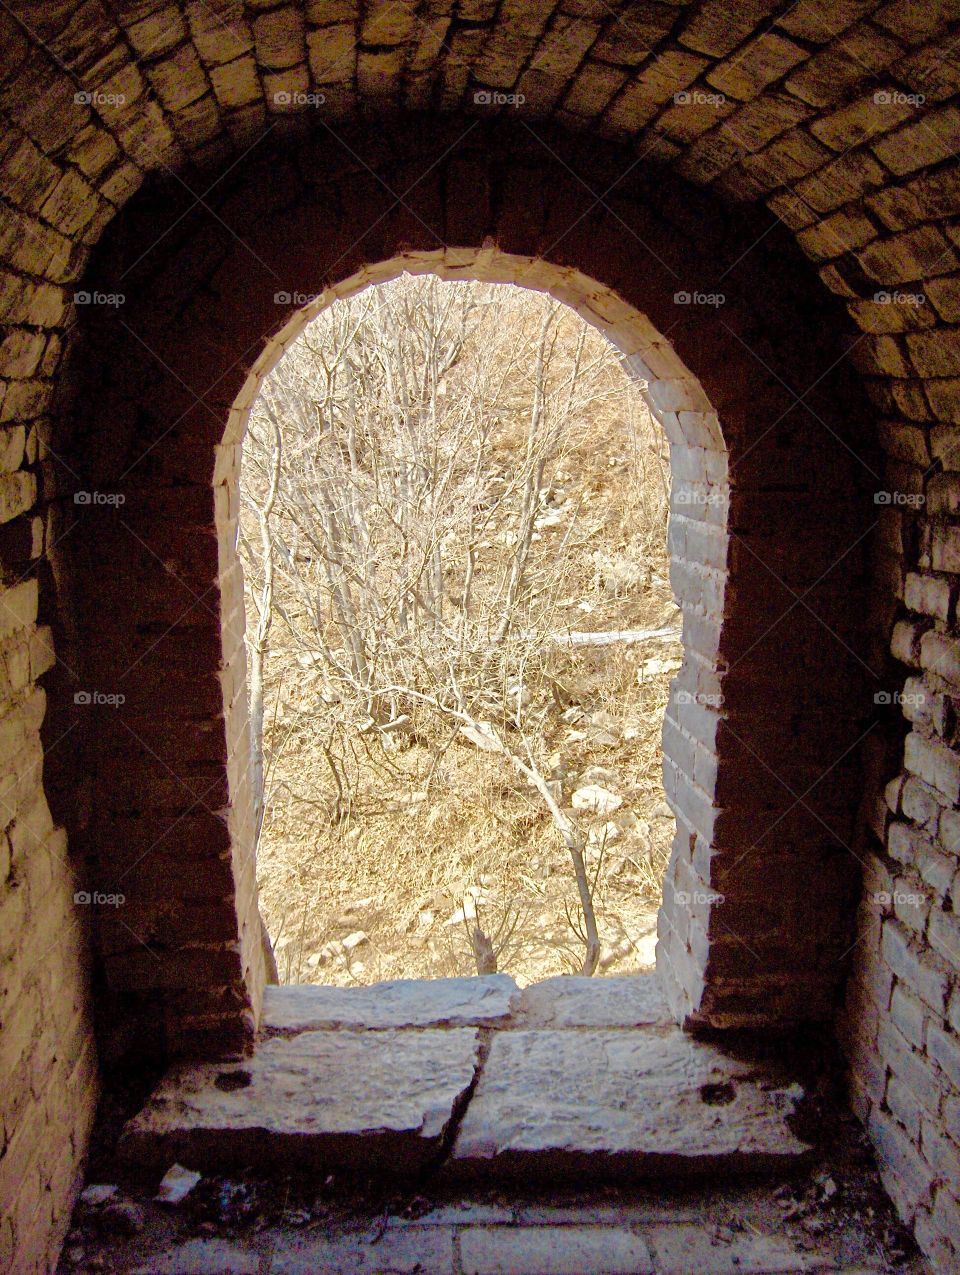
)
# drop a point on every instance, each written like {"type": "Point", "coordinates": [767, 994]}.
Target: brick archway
{"type": "Point", "coordinates": [841, 119]}
{"type": "Point", "coordinates": [767, 542]}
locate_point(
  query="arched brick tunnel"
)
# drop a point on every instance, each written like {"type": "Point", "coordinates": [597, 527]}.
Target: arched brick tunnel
{"type": "Point", "coordinates": [757, 204]}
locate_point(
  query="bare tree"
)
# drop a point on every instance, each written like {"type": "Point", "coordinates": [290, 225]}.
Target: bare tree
{"type": "Point", "coordinates": [382, 527]}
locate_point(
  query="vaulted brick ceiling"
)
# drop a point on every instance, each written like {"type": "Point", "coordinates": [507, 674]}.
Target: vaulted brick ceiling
{"type": "Point", "coordinates": [833, 111]}
{"type": "Point", "coordinates": [842, 116]}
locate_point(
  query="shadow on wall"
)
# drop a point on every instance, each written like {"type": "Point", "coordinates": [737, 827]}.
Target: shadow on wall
{"type": "Point", "coordinates": [771, 594]}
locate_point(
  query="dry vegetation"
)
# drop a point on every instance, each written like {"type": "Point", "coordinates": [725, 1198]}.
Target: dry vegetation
{"type": "Point", "coordinates": [432, 458]}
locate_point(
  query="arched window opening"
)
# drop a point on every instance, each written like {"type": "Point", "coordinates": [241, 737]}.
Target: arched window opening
{"type": "Point", "coordinates": [461, 637]}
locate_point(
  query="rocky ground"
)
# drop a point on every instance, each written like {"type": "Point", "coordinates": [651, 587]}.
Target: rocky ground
{"type": "Point", "coordinates": [393, 891]}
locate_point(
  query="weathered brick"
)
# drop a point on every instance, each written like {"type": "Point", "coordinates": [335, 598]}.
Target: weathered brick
{"type": "Point", "coordinates": [935, 763]}
{"type": "Point", "coordinates": [935, 353]}
{"type": "Point", "coordinates": [946, 1217]}
{"type": "Point", "coordinates": [922, 974]}
{"type": "Point", "coordinates": [931, 594]}
{"type": "Point", "coordinates": [843, 64]}
{"type": "Point", "coordinates": [770, 57]}
{"type": "Point", "coordinates": [905, 1108]}
{"type": "Point", "coordinates": [861, 120]}
{"type": "Point", "coordinates": [944, 935]}
{"type": "Point", "coordinates": [908, 257]}
{"type": "Point", "coordinates": [940, 654]}
{"type": "Point", "coordinates": [944, 1049]}
{"type": "Point", "coordinates": [920, 803]}
{"type": "Point", "coordinates": [944, 398]}
{"type": "Point", "coordinates": [944, 296]}
{"type": "Point", "coordinates": [908, 1013]}
{"type": "Point", "coordinates": [918, 144]}
{"type": "Point", "coordinates": [945, 547]}
{"type": "Point", "coordinates": [903, 1170]}
{"type": "Point", "coordinates": [280, 40]}
{"type": "Point", "coordinates": [905, 642]}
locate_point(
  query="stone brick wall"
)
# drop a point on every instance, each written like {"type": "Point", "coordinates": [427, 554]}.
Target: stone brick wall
{"type": "Point", "coordinates": [901, 1021]}
{"type": "Point", "coordinates": [48, 1068]}
{"type": "Point", "coordinates": [767, 523]}
{"type": "Point", "coordinates": [842, 118]}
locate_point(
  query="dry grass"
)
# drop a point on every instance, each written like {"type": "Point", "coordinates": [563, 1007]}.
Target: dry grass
{"type": "Point", "coordinates": [435, 828]}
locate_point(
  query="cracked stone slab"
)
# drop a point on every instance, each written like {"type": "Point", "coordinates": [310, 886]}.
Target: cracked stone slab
{"type": "Point", "coordinates": [619, 1104]}
{"type": "Point", "coordinates": [376, 1102]}
{"type": "Point", "coordinates": [483, 1001]}
{"type": "Point", "coordinates": [630, 1000]}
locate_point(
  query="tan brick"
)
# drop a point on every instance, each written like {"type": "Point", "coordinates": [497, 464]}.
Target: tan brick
{"type": "Point", "coordinates": [594, 88]}
{"type": "Point", "coordinates": [768, 58]}
{"type": "Point", "coordinates": [848, 177]}
{"type": "Point", "coordinates": [655, 85]}
{"type": "Point", "coordinates": [218, 30]}
{"type": "Point", "coordinates": [630, 42]}
{"type": "Point", "coordinates": [236, 83]}
{"type": "Point", "coordinates": [832, 236]}
{"type": "Point", "coordinates": [718, 26]}
{"type": "Point", "coordinates": [845, 63]}
{"type": "Point", "coordinates": [945, 548]}
{"type": "Point", "coordinates": [944, 295]}
{"type": "Point", "coordinates": [18, 492]}
{"type": "Point", "coordinates": [909, 256]}
{"type": "Point", "coordinates": [162, 31]}
{"type": "Point", "coordinates": [936, 764]}
{"type": "Point", "coordinates": [925, 142]}
{"type": "Point", "coordinates": [935, 353]}
{"type": "Point", "coordinates": [877, 112]}
{"type": "Point", "coordinates": [944, 398]}
{"type": "Point", "coordinates": [280, 40]}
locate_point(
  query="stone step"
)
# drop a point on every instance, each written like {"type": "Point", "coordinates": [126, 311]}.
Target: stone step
{"type": "Point", "coordinates": [571, 1076]}
{"type": "Point", "coordinates": [369, 1102]}
{"type": "Point", "coordinates": [484, 1001]}
{"type": "Point", "coordinates": [614, 1103]}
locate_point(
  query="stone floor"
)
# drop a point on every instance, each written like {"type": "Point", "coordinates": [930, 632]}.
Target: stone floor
{"type": "Point", "coordinates": [462, 1125]}
{"type": "Point", "coordinates": [473, 1079]}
